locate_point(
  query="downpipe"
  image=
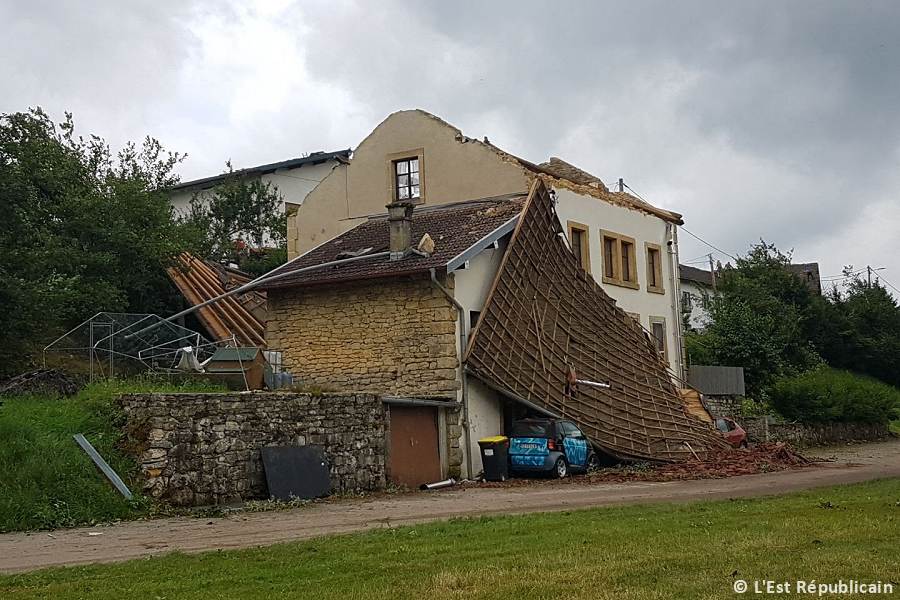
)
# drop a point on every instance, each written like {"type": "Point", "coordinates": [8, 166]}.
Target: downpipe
{"type": "Point", "coordinates": [462, 371]}
{"type": "Point", "coordinates": [676, 299]}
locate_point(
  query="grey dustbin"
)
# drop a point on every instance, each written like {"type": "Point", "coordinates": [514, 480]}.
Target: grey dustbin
{"type": "Point", "coordinates": [495, 457]}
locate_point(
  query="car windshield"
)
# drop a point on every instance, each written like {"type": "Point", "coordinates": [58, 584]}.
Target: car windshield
{"type": "Point", "coordinates": [722, 424]}
{"type": "Point", "coordinates": [531, 429]}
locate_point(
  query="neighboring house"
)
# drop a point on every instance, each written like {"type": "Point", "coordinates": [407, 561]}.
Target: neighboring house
{"type": "Point", "coordinates": [697, 288]}
{"type": "Point", "coordinates": [466, 316]}
{"type": "Point", "coordinates": [628, 246]}
{"type": "Point", "coordinates": [295, 178]}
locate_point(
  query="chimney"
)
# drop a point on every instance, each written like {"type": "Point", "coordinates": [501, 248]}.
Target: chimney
{"type": "Point", "coordinates": [400, 220]}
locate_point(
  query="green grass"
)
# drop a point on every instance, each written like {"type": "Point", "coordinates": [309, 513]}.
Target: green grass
{"type": "Point", "coordinates": [895, 427]}
{"type": "Point", "coordinates": [46, 479]}
{"type": "Point", "coordinates": [660, 551]}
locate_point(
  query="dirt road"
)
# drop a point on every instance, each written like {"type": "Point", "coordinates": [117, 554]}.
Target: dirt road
{"type": "Point", "coordinates": [27, 551]}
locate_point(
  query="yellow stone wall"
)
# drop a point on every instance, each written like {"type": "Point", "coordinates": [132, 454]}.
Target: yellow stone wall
{"type": "Point", "coordinates": [387, 336]}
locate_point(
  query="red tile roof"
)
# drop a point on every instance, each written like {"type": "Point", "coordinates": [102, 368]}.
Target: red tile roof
{"type": "Point", "coordinates": [239, 315]}
{"type": "Point", "coordinates": [453, 227]}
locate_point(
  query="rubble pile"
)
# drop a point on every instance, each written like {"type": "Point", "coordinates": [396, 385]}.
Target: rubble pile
{"type": "Point", "coordinates": [762, 458]}
{"type": "Point", "coordinates": [42, 381]}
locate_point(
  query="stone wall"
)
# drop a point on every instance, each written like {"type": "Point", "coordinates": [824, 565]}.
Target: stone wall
{"type": "Point", "coordinates": [814, 435]}
{"type": "Point", "coordinates": [759, 429]}
{"type": "Point", "coordinates": [197, 449]}
{"type": "Point", "coordinates": [390, 336]}
{"type": "Point", "coordinates": [724, 406]}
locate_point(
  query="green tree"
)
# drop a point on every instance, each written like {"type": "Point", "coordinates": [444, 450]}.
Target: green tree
{"type": "Point", "coordinates": [240, 211]}
{"type": "Point", "coordinates": [81, 230]}
{"type": "Point", "coordinates": [859, 330]}
{"type": "Point", "coordinates": [761, 318]}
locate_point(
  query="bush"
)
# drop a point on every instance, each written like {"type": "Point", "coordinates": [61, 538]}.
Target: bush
{"type": "Point", "coordinates": [46, 480]}
{"type": "Point", "coordinates": [827, 395]}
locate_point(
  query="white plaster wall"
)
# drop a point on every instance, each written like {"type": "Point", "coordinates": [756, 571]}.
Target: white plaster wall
{"type": "Point", "coordinates": [699, 315]}
{"type": "Point", "coordinates": [600, 215]}
{"type": "Point", "coordinates": [471, 287]}
{"type": "Point", "coordinates": [293, 185]}
{"type": "Point", "coordinates": [485, 418]}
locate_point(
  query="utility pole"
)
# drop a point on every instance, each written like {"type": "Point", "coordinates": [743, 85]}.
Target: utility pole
{"type": "Point", "coordinates": [869, 271]}
{"type": "Point", "coordinates": [621, 184]}
{"type": "Point", "coordinates": [712, 272]}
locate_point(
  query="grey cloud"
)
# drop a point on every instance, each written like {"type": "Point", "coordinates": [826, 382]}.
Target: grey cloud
{"type": "Point", "coordinates": [774, 120]}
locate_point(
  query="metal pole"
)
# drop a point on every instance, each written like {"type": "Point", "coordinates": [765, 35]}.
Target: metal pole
{"type": "Point", "coordinates": [259, 281]}
{"type": "Point", "coordinates": [91, 350]}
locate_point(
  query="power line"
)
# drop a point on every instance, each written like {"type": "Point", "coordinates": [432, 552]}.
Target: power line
{"type": "Point", "coordinates": [705, 242]}
{"type": "Point", "coordinates": [297, 177]}
{"type": "Point", "coordinates": [683, 228]}
{"type": "Point", "coordinates": [889, 284]}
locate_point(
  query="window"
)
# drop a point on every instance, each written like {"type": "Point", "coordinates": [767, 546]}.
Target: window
{"type": "Point", "coordinates": [406, 182]}
{"type": "Point", "coordinates": [405, 171]}
{"type": "Point", "coordinates": [473, 318]}
{"type": "Point", "coordinates": [619, 260]}
{"type": "Point", "coordinates": [658, 334]}
{"type": "Point", "coordinates": [687, 302]}
{"type": "Point", "coordinates": [654, 268]}
{"type": "Point", "coordinates": [579, 240]}
{"type": "Point", "coordinates": [609, 256]}
{"type": "Point", "coordinates": [570, 430]}
{"type": "Point", "coordinates": [627, 251]}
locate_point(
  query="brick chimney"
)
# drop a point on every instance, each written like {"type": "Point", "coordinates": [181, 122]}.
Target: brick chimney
{"type": "Point", "coordinates": [400, 220]}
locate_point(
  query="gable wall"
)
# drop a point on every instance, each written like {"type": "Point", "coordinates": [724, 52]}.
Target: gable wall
{"type": "Point", "coordinates": [451, 171]}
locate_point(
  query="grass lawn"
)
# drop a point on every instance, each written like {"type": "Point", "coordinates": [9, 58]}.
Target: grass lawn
{"type": "Point", "coordinates": [46, 479]}
{"type": "Point", "coordinates": [895, 427]}
{"type": "Point", "coordinates": [661, 551]}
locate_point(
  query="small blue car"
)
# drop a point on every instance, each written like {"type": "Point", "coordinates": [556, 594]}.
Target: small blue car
{"type": "Point", "coordinates": [549, 446]}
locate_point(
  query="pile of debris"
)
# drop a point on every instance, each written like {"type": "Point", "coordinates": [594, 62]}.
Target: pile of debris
{"type": "Point", "coordinates": [43, 381]}
{"type": "Point", "coordinates": [762, 458]}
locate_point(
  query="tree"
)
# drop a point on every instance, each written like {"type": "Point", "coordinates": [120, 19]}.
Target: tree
{"type": "Point", "coordinates": [860, 331]}
{"type": "Point", "coordinates": [761, 318]}
{"type": "Point", "coordinates": [81, 230]}
{"type": "Point", "coordinates": [241, 210]}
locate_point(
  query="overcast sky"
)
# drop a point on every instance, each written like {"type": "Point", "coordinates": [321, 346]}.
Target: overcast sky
{"type": "Point", "coordinates": [775, 120]}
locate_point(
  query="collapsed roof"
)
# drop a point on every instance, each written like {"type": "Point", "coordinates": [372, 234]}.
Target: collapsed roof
{"type": "Point", "coordinates": [241, 316]}
{"type": "Point", "coordinates": [545, 315]}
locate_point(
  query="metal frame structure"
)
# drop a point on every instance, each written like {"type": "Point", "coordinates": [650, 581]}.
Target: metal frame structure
{"type": "Point", "coordinates": [112, 341]}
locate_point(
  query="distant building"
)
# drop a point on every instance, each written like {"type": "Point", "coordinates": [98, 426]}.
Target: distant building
{"type": "Point", "coordinates": [295, 178]}
{"type": "Point", "coordinates": [697, 287]}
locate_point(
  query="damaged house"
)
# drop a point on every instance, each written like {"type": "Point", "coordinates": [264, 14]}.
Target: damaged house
{"type": "Point", "coordinates": [465, 316]}
{"type": "Point", "coordinates": [628, 246]}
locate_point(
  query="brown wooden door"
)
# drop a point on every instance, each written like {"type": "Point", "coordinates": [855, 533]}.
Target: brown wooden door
{"type": "Point", "coordinates": [415, 454]}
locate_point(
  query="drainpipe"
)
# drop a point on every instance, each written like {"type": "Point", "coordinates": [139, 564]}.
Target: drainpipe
{"type": "Point", "coordinates": [676, 298]}
{"type": "Point", "coordinates": [465, 383]}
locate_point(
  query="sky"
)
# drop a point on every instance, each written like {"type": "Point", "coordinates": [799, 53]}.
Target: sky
{"type": "Point", "coordinates": [755, 120]}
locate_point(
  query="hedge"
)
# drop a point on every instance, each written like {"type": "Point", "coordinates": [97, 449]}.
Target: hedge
{"type": "Point", "coordinates": [827, 395]}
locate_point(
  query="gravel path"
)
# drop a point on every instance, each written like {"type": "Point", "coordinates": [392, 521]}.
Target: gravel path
{"type": "Point", "coordinates": [27, 551]}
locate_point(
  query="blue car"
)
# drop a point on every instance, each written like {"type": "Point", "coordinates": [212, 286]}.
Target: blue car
{"type": "Point", "coordinates": [549, 446]}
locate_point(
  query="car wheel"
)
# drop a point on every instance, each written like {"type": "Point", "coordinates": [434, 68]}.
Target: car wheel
{"type": "Point", "coordinates": [593, 463]}
{"type": "Point", "coordinates": [560, 469]}
{"type": "Point", "coordinates": [743, 444]}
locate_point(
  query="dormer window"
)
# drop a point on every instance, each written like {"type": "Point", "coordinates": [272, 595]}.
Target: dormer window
{"type": "Point", "coordinates": [406, 179]}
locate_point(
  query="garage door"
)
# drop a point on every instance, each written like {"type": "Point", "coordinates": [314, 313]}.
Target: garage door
{"type": "Point", "coordinates": [415, 453]}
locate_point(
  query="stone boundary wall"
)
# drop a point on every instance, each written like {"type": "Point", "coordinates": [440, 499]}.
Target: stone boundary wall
{"type": "Point", "coordinates": [724, 406]}
{"type": "Point", "coordinates": [758, 429]}
{"type": "Point", "coordinates": [198, 449]}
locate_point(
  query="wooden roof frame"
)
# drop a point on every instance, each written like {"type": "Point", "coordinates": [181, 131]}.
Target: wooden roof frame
{"type": "Point", "coordinates": [544, 315]}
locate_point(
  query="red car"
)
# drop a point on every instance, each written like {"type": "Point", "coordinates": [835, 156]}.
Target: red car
{"type": "Point", "coordinates": [734, 434]}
